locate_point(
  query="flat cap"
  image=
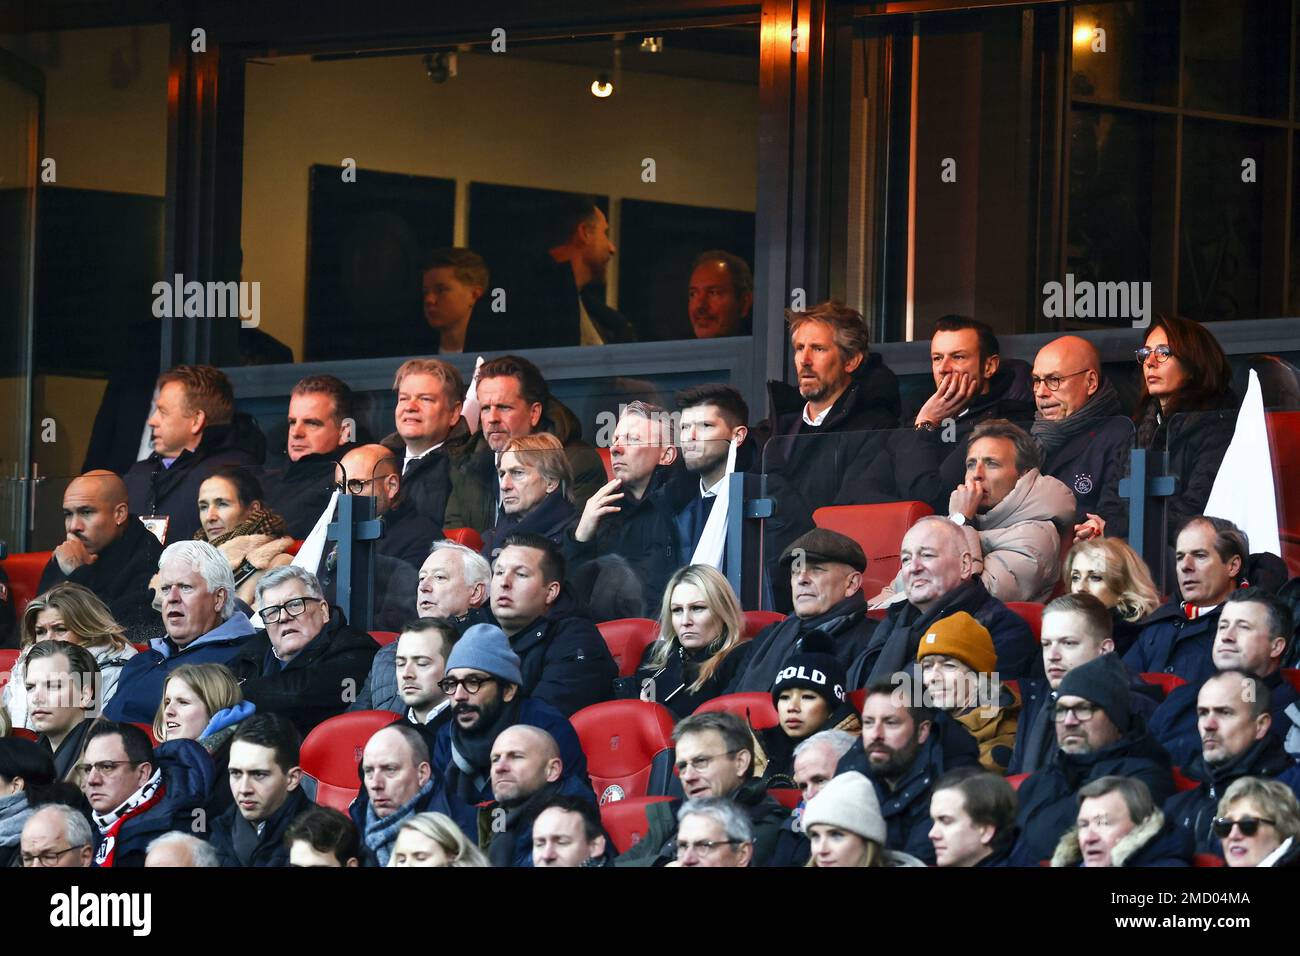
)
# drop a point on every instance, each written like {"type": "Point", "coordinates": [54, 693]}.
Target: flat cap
{"type": "Point", "coordinates": [819, 544]}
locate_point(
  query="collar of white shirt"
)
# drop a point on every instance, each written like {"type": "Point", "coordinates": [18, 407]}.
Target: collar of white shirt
{"type": "Point", "coordinates": [410, 712]}
{"type": "Point", "coordinates": [406, 462]}
{"type": "Point", "coordinates": [712, 492]}
{"type": "Point", "coordinates": [816, 422]}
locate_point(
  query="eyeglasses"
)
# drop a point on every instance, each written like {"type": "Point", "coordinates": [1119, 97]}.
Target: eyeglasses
{"type": "Point", "coordinates": [1053, 382]}
{"type": "Point", "coordinates": [703, 848]}
{"type": "Point", "coordinates": [353, 486]}
{"type": "Point", "coordinates": [49, 857]}
{"type": "Point", "coordinates": [1249, 826]}
{"type": "Point", "coordinates": [104, 767]}
{"type": "Point", "coordinates": [1161, 352]}
{"type": "Point", "coordinates": [1082, 712]}
{"type": "Point", "coordinates": [472, 684]}
{"type": "Point", "coordinates": [701, 763]}
{"type": "Point", "coordinates": [294, 608]}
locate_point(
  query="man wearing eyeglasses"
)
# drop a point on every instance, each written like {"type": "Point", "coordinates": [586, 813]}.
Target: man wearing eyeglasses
{"type": "Point", "coordinates": [713, 832]}
{"type": "Point", "coordinates": [1234, 721]}
{"type": "Point", "coordinates": [374, 471]}
{"type": "Point", "coordinates": [309, 663]}
{"type": "Point", "coordinates": [715, 758]}
{"type": "Point", "coordinates": [1098, 734]}
{"type": "Point", "coordinates": [1079, 423]}
{"type": "Point", "coordinates": [57, 835]}
{"type": "Point", "coordinates": [136, 793]}
{"type": "Point", "coordinates": [483, 683]}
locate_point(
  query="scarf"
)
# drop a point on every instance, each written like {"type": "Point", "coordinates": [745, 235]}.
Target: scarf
{"type": "Point", "coordinates": [472, 752]}
{"type": "Point", "coordinates": [381, 834]}
{"type": "Point", "coordinates": [14, 811]}
{"type": "Point", "coordinates": [1052, 436]}
{"type": "Point", "coordinates": [110, 824]}
{"type": "Point", "coordinates": [257, 520]}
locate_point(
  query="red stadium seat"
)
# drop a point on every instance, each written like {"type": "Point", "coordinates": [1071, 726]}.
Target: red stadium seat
{"type": "Point", "coordinates": [466, 536]}
{"type": "Point", "coordinates": [24, 733]}
{"type": "Point", "coordinates": [7, 660]}
{"type": "Point", "coordinates": [754, 706]}
{"type": "Point", "coordinates": [1182, 783]}
{"type": "Point", "coordinates": [1207, 860]}
{"type": "Point", "coordinates": [858, 698]}
{"type": "Point", "coordinates": [1292, 677]}
{"type": "Point", "coordinates": [1284, 440]}
{"type": "Point", "coordinates": [1031, 613]}
{"type": "Point", "coordinates": [788, 797]}
{"type": "Point", "coordinates": [603, 451]}
{"type": "Point", "coordinates": [141, 648]}
{"type": "Point", "coordinates": [627, 638]}
{"type": "Point", "coordinates": [148, 729]}
{"type": "Point", "coordinates": [755, 621]}
{"type": "Point", "coordinates": [333, 750]}
{"type": "Point", "coordinates": [385, 637]}
{"type": "Point", "coordinates": [293, 548]}
{"type": "Point", "coordinates": [1016, 779]}
{"type": "Point", "coordinates": [1165, 682]}
{"type": "Point", "coordinates": [625, 820]}
{"type": "Point", "coordinates": [629, 748]}
{"type": "Point", "coordinates": [878, 528]}
{"type": "Point", "coordinates": [24, 570]}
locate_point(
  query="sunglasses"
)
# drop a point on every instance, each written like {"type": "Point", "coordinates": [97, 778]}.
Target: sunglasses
{"type": "Point", "coordinates": [1249, 826]}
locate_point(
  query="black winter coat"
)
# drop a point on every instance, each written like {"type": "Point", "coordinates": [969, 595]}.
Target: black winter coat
{"type": "Point", "coordinates": [808, 467]}
{"type": "Point", "coordinates": [894, 644]}
{"type": "Point", "coordinates": [1036, 732]}
{"type": "Point", "coordinates": [681, 669]}
{"type": "Point", "coordinates": [188, 778]}
{"type": "Point", "coordinates": [918, 465]}
{"type": "Point", "coordinates": [1089, 463]}
{"type": "Point", "coordinates": [1196, 443]}
{"type": "Point", "coordinates": [155, 490]}
{"type": "Point", "coordinates": [553, 518]}
{"type": "Point", "coordinates": [1174, 722]}
{"type": "Point", "coordinates": [845, 626]}
{"type": "Point", "coordinates": [408, 535]}
{"type": "Point", "coordinates": [905, 802]}
{"type": "Point", "coordinates": [1175, 644]}
{"type": "Point", "coordinates": [1195, 810]}
{"type": "Point", "coordinates": [426, 484]}
{"type": "Point", "coordinates": [65, 757]}
{"type": "Point", "coordinates": [1048, 798]}
{"type": "Point", "coordinates": [564, 661]}
{"type": "Point", "coordinates": [268, 847]}
{"type": "Point", "coordinates": [120, 578]}
{"type": "Point", "coordinates": [300, 490]}
{"type": "Point", "coordinates": [318, 683]}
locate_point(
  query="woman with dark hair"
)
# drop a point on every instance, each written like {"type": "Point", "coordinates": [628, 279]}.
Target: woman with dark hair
{"type": "Point", "coordinates": [235, 520]}
{"type": "Point", "coordinates": [23, 765]}
{"type": "Point", "coordinates": [1187, 407]}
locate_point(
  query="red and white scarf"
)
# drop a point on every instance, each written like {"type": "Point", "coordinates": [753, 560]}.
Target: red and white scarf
{"type": "Point", "coordinates": [111, 823]}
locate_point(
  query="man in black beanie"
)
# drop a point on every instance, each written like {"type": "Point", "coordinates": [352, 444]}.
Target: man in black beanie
{"type": "Point", "coordinates": [1098, 734]}
{"type": "Point", "coordinates": [809, 696]}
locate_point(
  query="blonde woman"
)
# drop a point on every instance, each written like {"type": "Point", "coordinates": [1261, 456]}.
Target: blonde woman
{"type": "Point", "coordinates": [72, 613]}
{"type": "Point", "coordinates": [202, 702]}
{"type": "Point", "coordinates": [1113, 573]}
{"type": "Point", "coordinates": [536, 487]}
{"type": "Point", "coordinates": [846, 828]}
{"type": "Point", "coordinates": [701, 646]}
{"type": "Point", "coordinates": [1259, 824]}
{"type": "Point", "coordinates": [432, 839]}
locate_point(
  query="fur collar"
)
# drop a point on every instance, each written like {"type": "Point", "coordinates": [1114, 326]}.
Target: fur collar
{"type": "Point", "coordinates": [1068, 852]}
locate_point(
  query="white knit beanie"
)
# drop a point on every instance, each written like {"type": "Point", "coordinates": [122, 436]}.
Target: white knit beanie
{"type": "Point", "coordinates": [849, 802]}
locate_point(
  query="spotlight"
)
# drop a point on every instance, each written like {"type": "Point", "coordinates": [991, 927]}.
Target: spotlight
{"type": "Point", "coordinates": [1082, 35]}
{"type": "Point", "coordinates": [652, 44]}
{"type": "Point", "coordinates": [601, 86]}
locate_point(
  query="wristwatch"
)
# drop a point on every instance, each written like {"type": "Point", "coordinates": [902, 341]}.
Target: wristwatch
{"type": "Point", "coordinates": [927, 426]}
{"type": "Point", "coordinates": [958, 519]}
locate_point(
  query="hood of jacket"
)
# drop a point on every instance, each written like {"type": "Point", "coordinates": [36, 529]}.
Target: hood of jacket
{"type": "Point", "coordinates": [233, 629]}
{"type": "Point", "coordinates": [1035, 497]}
{"type": "Point", "coordinates": [1149, 841]}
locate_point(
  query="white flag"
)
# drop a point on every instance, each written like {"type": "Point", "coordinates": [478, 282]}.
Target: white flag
{"type": "Point", "coordinates": [712, 546]}
{"type": "Point", "coordinates": [470, 409]}
{"type": "Point", "coordinates": [1243, 490]}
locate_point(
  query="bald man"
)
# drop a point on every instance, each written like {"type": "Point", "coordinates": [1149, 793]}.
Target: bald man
{"type": "Point", "coordinates": [527, 772]}
{"type": "Point", "coordinates": [1084, 432]}
{"type": "Point", "coordinates": [107, 550]}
